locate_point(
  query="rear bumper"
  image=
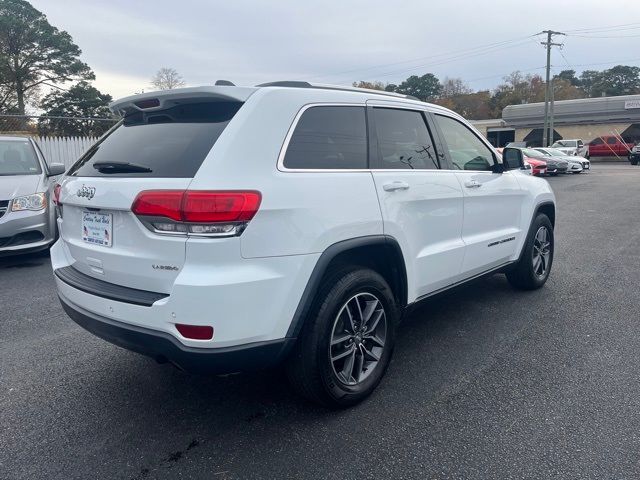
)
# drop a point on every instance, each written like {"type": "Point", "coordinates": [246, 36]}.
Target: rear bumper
{"type": "Point", "coordinates": [165, 348]}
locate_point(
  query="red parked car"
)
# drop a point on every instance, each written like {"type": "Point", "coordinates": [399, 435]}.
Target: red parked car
{"type": "Point", "coordinates": [538, 166]}
{"type": "Point", "coordinates": [608, 146]}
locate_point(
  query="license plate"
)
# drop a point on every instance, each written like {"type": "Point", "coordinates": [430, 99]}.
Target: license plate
{"type": "Point", "coordinates": [97, 228]}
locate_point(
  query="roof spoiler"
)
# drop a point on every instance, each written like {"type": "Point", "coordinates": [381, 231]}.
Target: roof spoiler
{"type": "Point", "coordinates": [161, 100]}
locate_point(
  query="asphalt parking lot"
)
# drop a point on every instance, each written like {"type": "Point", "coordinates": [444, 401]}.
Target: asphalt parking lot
{"type": "Point", "coordinates": [486, 382]}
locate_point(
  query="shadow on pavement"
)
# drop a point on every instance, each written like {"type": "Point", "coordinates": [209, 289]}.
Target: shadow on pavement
{"type": "Point", "coordinates": [25, 260]}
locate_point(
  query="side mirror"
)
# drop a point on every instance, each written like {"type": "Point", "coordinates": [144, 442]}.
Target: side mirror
{"type": "Point", "coordinates": [512, 158]}
{"type": "Point", "coordinates": [56, 169]}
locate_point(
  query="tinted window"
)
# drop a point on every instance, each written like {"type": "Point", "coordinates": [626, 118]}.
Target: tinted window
{"type": "Point", "coordinates": [597, 141]}
{"type": "Point", "coordinates": [17, 157]}
{"type": "Point", "coordinates": [327, 138]}
{"type": "Point", "coordinates": [467, 151]}
{"type": "Point", "coordinates": [165, 143]}
{"type": "Point", "coordinates": [611, 141]}
{"type": "Point", "coordinates": [404, 141]}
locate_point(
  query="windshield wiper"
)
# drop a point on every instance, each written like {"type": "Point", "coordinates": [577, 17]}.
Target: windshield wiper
{"type": "Point", "coordinates": [120, 167]}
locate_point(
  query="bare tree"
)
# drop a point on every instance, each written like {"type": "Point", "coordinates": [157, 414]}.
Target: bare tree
{"type": "Point", "coordinates": [370, 85]}
{"type": "Point", "coordinates": [452, 87]}
{"type": "Point", "coordinates": [167, 79]}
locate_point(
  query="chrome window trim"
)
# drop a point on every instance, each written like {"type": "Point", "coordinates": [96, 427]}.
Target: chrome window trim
{"type": "Point", "coordinates": [379, 103]}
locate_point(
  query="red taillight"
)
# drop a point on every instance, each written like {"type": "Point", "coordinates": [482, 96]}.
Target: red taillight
{"type": "Point", "coordinates": [210, 213]}
{"type": "Point", "coordinates": [159, 203]}
{"type": "Point", "coordinates": [214, 207]}
{"type": "Point", "coordinates": [195, 332]}
{"type": "Point", "coordinates": [56, 194]}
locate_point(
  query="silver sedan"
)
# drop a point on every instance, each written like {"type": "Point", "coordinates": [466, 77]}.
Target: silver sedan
{"type": "Point", "coordinates": [27, 216]}
{"type": "Point", "coordinates": [576, 164]}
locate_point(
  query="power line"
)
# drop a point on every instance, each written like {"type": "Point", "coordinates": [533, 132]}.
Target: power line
{"type": "Point", "coordinates": [455, 53]}
{"type": "Point", "coordinates": [608, 63]}
{"type": "Point", "coordinates": [573, 67]}
{"type": "Point", "coordinates": [449, 60]}
{"type": "Point", "coordinates": [505, 74]}
{"type": "Point", "coordinates": [601, 36]}
{"type": "Point", "coordinates": [624, 26]}
{"type": "Point", "coordinates": [565, 59]}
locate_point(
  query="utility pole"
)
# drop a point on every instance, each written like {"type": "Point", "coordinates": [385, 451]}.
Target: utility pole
{"type": "Point", "coordinates": [548, 44]}
{"type": "Point", "coordinates": [551, 106]}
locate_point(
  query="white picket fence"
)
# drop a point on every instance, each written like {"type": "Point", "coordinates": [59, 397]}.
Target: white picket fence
{"type": "Point", "coordinates": [64, 149]}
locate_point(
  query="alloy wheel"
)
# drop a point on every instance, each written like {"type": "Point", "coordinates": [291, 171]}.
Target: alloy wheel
{"type": "Point", "coordinates": [358, 338]}
{"type": "Point", "coordinates": [541, 252]}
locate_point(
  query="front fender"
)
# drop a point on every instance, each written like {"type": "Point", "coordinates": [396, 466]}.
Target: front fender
{"type": "Point", "coordinates": [539, 196]}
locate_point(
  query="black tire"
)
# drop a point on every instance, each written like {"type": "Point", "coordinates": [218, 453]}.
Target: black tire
{"type": "Point", "coordinates": [310, 368]}
{"type": "Point", "coordinates": [523, 275]}
{"type": "Point", "coordinates": [633, 161]}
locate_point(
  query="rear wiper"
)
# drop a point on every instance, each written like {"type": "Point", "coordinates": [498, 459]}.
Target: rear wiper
{"type": "Point", "coordinates": [120, 167]}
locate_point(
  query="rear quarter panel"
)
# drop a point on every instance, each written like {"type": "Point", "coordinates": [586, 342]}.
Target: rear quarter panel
{"type": "Point", "coordinates": [301, 212]}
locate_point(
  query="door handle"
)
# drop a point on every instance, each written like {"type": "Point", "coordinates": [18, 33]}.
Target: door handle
{"type": "Point", "coordinates": [392, 186]}
{"type": "Point", "coordinates": [472, 184]}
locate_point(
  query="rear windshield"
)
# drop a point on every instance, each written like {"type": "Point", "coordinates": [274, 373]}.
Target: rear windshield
{"type": "Point", "coordinates": [169, 143]}
{"type": "Point", "coordinates": [17, 157]}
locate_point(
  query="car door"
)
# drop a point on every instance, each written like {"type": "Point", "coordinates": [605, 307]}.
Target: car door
{"type": "Point", "coordinates": [421, 204]}
{"type": "Point", "coordinates": [492, 201]}
{"type": "Point", "coordinates": [597, 148]}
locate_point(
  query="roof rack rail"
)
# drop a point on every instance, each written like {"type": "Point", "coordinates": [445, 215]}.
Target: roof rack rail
{"type": "Point", "coordinates": [300, 84]}
{"type": "Point", "coordinates": [286, 83]}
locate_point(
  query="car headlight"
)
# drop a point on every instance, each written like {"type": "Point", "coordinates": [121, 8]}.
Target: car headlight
{"type": "Point", "coordinates": [37, 201]}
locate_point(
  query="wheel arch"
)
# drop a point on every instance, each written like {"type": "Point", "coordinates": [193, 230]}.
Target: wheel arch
{"type": "Point", "coordinates": [548, 208]}
{"type": "Point", "coordinates": [381, 253]}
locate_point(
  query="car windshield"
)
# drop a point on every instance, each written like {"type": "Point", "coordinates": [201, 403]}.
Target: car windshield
{"type": "Point", "coordinates": [17, 157]}
{"type": "Point", "coordinates": [565, 143]}
{"type": "Point", "coordinates": [555, 153]}
{"type": "Point", "coordinates": [530, 152]}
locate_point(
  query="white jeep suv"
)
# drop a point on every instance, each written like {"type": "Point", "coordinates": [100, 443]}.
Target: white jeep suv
{"type": "Point", "coordinates": [228, 228]}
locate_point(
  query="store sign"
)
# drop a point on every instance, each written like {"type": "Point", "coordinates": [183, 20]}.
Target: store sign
{"type": "Point", "coordinates": [631, 104]}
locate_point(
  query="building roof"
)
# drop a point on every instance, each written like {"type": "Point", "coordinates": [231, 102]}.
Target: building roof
{"type": "Point", "coordinates": [625, 108]}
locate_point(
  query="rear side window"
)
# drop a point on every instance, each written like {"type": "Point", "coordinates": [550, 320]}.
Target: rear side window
{"type": "Point", "coordinates": [331, 137]}
{"type": "Point", "coordinates": [596, 141]}
{"type": "Point", "coordinates": [612, 141]}
{"type": "Point", "coordinates": [170, 143]}
{"type": "Point", "coordinates": [404, 141]}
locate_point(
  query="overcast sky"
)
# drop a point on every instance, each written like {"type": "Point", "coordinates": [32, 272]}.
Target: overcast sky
{"type": "Point", "coordinates": [248, 42]}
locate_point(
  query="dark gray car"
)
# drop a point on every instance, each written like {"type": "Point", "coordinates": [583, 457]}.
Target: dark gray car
{"type": "Point", "coordinates": [27, 216]}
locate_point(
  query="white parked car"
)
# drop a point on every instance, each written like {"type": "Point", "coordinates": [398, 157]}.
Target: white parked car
{"type": "Point", "coordinates": [574, 147]}
{"type": "Point", "coordinates": [576, 164]}
{"type": "Point", "coordinates": [231, 228]}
